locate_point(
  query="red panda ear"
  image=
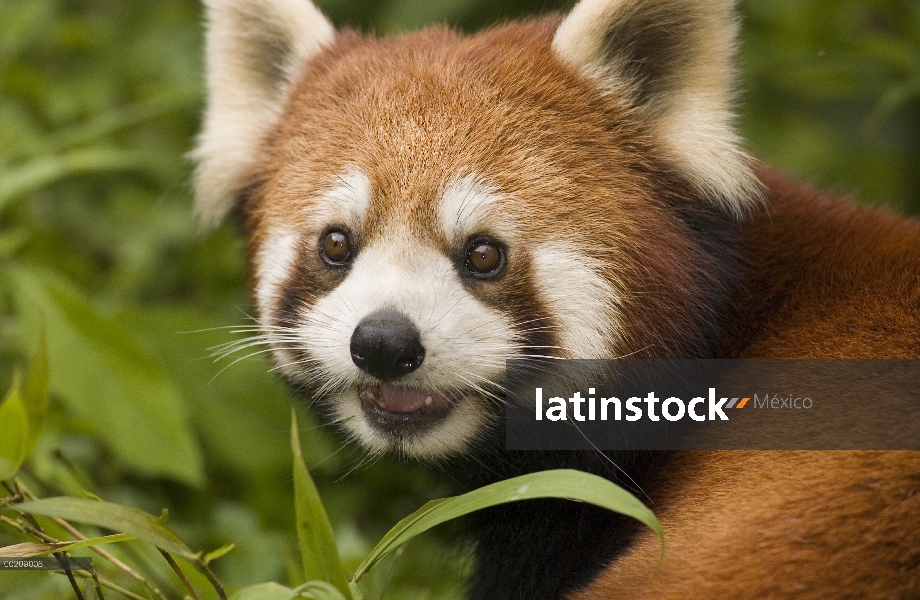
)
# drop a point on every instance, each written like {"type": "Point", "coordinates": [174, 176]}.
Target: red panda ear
{"type": "Point", "coordinates": [254, 50]}
{"type": "Point", "coordinates": [674, 62]}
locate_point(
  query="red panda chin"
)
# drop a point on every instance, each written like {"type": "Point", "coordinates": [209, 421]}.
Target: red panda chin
{"type": "Point", "coordinates": [387, 418]}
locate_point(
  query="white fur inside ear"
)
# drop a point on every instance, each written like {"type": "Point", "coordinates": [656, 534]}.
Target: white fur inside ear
{"type": "Point", "coordinates": [673, 61]}
{"type": "Point", "coordinates": [254, 51]}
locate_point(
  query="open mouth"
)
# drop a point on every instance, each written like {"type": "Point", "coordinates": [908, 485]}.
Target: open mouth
{"type": "Point", "coordinates": [390, 404]}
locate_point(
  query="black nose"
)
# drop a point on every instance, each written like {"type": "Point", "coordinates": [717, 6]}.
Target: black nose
{"type": "Point", "coordinates": [386, 345]}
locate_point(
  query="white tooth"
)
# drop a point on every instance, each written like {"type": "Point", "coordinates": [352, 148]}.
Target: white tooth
{"type": "Point", "coordinates": [382, 402]}
{"type": "Point", "coordinates": [428, 401]}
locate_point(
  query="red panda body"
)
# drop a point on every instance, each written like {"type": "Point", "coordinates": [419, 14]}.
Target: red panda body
{"type": "Point", "coordinates": [831, 280]}
{"type": "Point", "coordinates": [419, 209]}
{"type": "Point", "coordinates": [826, 280]}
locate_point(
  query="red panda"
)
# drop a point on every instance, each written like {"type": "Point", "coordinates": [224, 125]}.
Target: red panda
{"type": "Point", "coordinates": [422, 207]}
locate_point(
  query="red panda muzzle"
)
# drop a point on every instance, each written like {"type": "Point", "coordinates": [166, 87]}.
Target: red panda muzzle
{"type": "Point", "coordinates": [399, 403]}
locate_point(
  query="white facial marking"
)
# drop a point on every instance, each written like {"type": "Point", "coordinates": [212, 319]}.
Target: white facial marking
{"type": "Point", "coordinates": [466, 342]}
{"type": "Point", "coordinates": [344, 203]}
{"type": "Point", "coordinates": [277, 259]}
{"type": "Point", "coordinates": [470, 205]}
{"type": "Point", "coordinates": [581, 300]}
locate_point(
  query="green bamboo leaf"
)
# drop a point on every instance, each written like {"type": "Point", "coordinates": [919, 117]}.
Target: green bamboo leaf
{"type": "Point", "coordinates": [112, 386]}
{"type": "Point", "coordinates": [91, 590]}
{"type": "Point", "coordinates": [14, 430]}
{"type": "Point", "coordinates": [118, 118]}
{"type": "Point", "coordinates": [92, 496]}
{"type": "Point", "coordinates": [319, 590]}
{"type": "Point", "coordinates": [562, 483]}
{"type": "Point", "coordinates": [33, 549]}
{"type": "Point", "coordinates": [265, 591]}
{"type": "Point", "coordinates": [12, 241]}
{"type": "Point", "coordinates": [47, 170]}
{"type": "Point", "coordinates": [355, 591]}
{"type": "Point", "coordinates": [36, 395]}
{"type": "Point", "coordinates": [96, 541]}
{"type": "Point", "coordinates": [132, 521]}
{"type": "Point", "coordinates": [215, 554]}
{"type": "Point", "coordinates": [318, 549]}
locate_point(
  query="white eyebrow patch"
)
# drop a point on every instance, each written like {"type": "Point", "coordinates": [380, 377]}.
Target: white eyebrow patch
{"type": "Point", "coordinates": [345, 202]}
{"type": "Point", "coordinates": [468, 205]}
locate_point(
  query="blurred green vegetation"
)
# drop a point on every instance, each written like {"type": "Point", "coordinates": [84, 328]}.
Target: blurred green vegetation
{"type": "Point", "coordinates": [832, 93]}
{"type": "Point", "coordinates": [99, 102]}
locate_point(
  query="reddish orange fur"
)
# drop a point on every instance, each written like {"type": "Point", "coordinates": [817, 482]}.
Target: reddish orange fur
{"type": "Point", "coordinates": [832, 280]}
{"type": "Point", "coordinates": [826, 279]}
{"type": "Point", "coordinates": [823, 279]}
{"type": "Point", "coordinates": [778, 524]}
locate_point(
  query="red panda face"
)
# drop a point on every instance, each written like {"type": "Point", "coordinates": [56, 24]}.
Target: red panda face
{"type": "Point", "coordinates": [421, 209]}
{"type": "Point", "coordinates": [450, 197]}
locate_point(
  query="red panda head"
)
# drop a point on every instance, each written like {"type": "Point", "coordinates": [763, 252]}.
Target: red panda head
{"type": "Point", "coordinates": [421, 208]}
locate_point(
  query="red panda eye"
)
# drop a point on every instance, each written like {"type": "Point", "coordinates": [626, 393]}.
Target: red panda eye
{"type": "Point", "coordinates": [484, 258]}
{"type": "Point", "coordinates": [336, 247]}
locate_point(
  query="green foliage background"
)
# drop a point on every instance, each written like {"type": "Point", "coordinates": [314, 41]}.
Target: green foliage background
{"type": "Point", "coordinates": [99, 100]}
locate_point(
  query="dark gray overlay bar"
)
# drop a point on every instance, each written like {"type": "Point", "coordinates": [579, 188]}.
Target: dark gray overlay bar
{"type": "Point", "coordinates": [713, 404]}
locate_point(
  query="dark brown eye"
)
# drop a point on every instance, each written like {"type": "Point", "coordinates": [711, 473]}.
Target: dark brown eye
{"type": "Point", "coordinates": [335, 248]}
{"type": "Point", "coordinates": [485, 258]}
